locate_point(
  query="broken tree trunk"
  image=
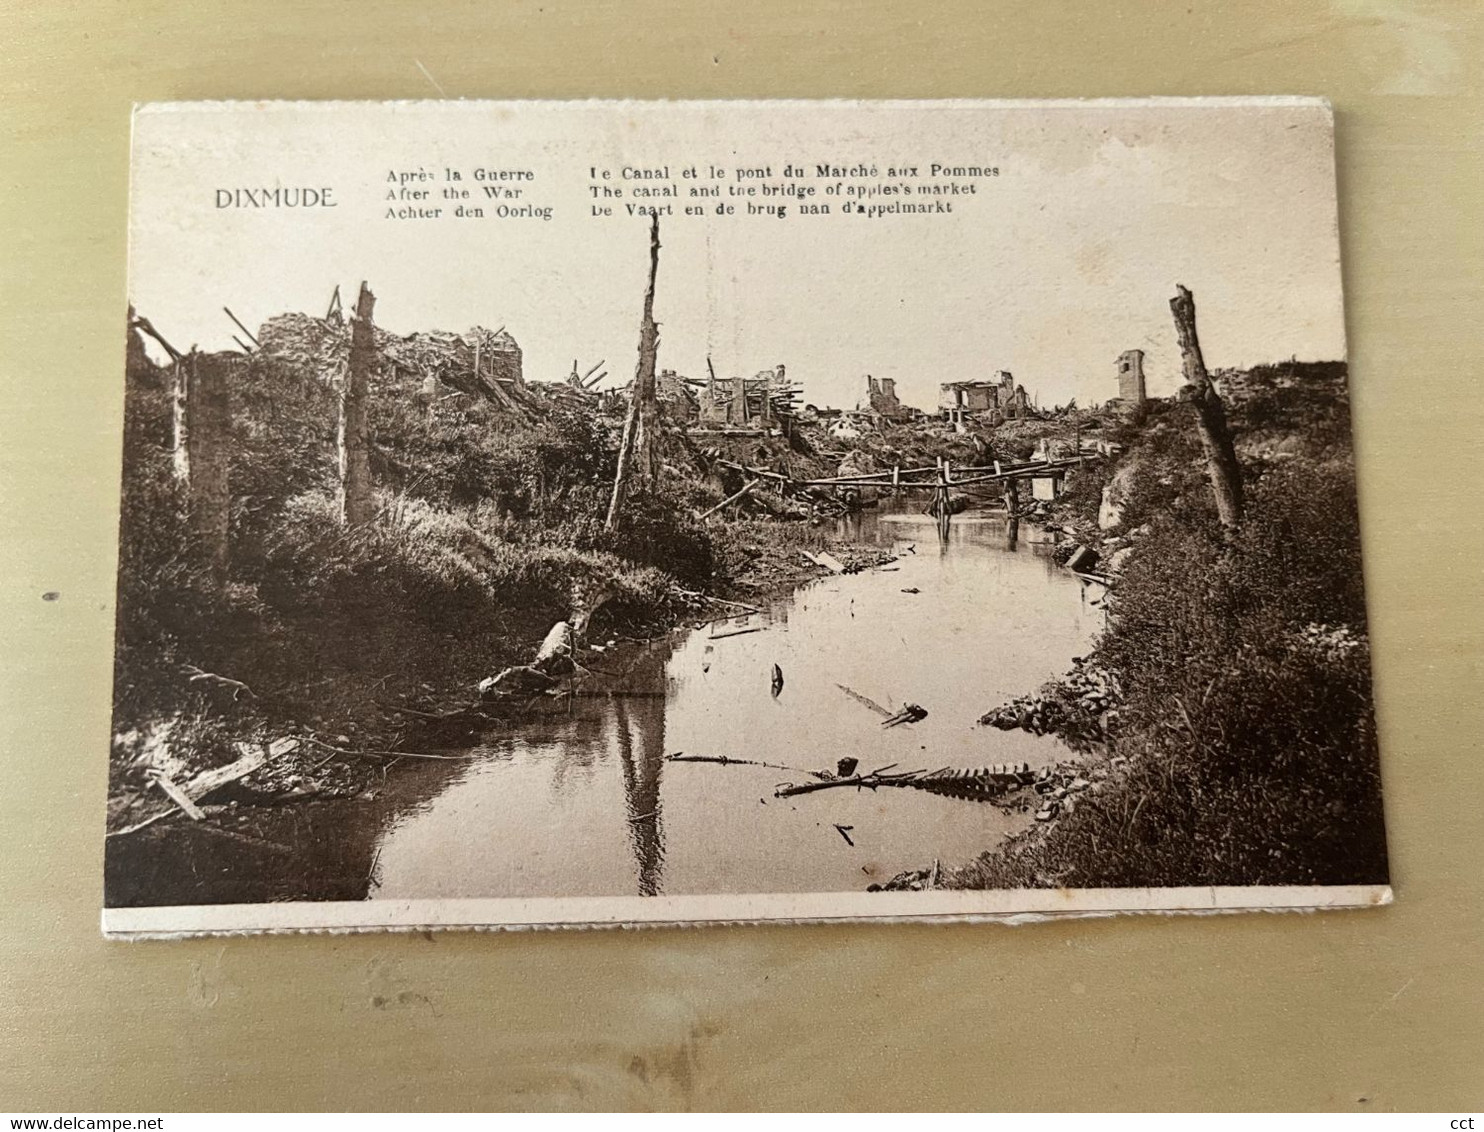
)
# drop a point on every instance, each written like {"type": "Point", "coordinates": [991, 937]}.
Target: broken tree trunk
{"type": "Point", "coordinates": [205, 455]}
{"type": "Point", "coordinates": [586, 602]}
{"type": "Point", "coordinates": [638, 454]}
{"type": "Point", "coordinates": [140, 323]}
{"type": "Point", "coordinates": [1216, 437]}
{"type": "Point", "coordinates": [180, 413]}
{"type": "Point", "coordinates": [354, 439]}
{"type": "Point", "coordinates": [555, 657]}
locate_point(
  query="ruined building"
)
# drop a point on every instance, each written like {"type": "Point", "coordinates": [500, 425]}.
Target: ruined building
{"type": "Point", "coordinates": [749, 401]}
{"type": "Point", "coordinates": [1131, 378]}
{"type": "Point", "coordinates": [499, 356]}
{"type": "Point", "coordinates": [678, 404]}
{"type": "Point", "coordinates": [882, 400]}
{"type": "Point", "coordinates": [480, 363]}
{"type": "Point", "coordinates": [989, 401]}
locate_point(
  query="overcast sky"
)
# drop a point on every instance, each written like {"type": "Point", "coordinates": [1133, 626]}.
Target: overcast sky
{"type": "Point", "coordinates": [1049, 270]}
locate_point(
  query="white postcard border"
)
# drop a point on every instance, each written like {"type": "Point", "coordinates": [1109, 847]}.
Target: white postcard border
{"type": "Point", "coordinates": [1009, 906]}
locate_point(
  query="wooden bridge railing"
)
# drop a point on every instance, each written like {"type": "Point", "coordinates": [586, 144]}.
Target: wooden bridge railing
{"type": "Point", "coordinates": [943, 475]}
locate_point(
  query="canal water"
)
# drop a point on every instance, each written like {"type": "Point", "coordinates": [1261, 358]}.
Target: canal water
{"type": "Point", "coordinates": [581, 801]}
{"type": "Point", "coordinates": [585, 803]}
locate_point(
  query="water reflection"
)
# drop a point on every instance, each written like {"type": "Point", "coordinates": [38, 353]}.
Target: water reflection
{"type": "Point", "coordinates": [641, 750]}
{"type": "Point", "coordinates": [584, 803]}
{"type": "Point", "coordinates": [581, 802]}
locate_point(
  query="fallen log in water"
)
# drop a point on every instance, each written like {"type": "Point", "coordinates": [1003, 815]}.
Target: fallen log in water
{"type": "Point", "coordinates": [722, 760]}
{"type": "Point", "coordinates": [736, 632]}
{"type": "Point", "coordinates": [697, 594]}
{"type": "Point", "coordinates": [380, 754]}
{"type": "Point", "coordinates": [517, 680]}
{"type": "Point", "coordinates": [985, 784]}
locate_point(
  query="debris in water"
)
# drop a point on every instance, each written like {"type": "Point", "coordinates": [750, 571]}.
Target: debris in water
{"type": "Point", "coordinates": [846, 766]}
{"type": "Point", "coordinates": [777, 681]}
{"type": "Point", "coordinates": [1082, 560]}
{"type": "Point", "coordinates": [858, 698]}
{"type": "Point", "coordinates": [738, 632]}
{"type": "Point", "coordinates": [910, 713]}
{"type": "Point", "coordinates": [912, 590]}
{"type": "Point", "coordinates": [845, 833]}
{"type": "Point", "coordinates": [827, 560]}
{"type": "Point", "coordinates": [984, 784]}
{"type": "Point", "coordinates": [723, 760]}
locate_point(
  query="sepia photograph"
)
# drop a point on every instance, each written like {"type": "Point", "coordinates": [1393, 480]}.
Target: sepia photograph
{"type": "Point", "coordinates": [608, 513]}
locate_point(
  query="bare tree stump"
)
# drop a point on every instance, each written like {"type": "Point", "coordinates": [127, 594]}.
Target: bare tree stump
{"type": "Point", "coordinates": [1216, 437]}
{"type": "Point", "coordinates": [354, 438]}
{"type": "Point", "coordinates": [638, 451]}
{"type": "Point", "coordinates": [206, 453]}
{"type": "Point", "coordinates": [180, 413]}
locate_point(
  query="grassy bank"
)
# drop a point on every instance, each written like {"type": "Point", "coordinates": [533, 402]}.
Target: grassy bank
{"type": "Point", "coordinates": [1242, 748]}
{"type": "Point", "coordinates": [488, 529]}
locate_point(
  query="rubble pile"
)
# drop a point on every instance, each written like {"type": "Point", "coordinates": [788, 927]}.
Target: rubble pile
{"type": "Point", "coordinates": [480, 362]}
{"type": "Point", "coordinates": [1060, 788]}
{"type": "Point", "coordinates": [1082, 705]}
{"type": "Point", "coordinates": [319, 347]}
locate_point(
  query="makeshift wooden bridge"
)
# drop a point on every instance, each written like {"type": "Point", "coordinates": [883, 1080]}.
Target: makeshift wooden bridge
{"type": "Point", "coordinates": [941, 478]}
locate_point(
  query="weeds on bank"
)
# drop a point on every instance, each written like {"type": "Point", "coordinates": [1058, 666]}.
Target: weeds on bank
{"type": "Point", "coordinates": [487, 531]}
{"type": "Point", "coordinates": [1246, 723]}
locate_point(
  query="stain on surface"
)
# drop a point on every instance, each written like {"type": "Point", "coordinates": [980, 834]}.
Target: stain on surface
{"type": "Point", "coordinates": [207, 981]}
{"type": "Point", "coordinates": [389, 989]}
{"type": "Point", "coordinates": [1421, 53]}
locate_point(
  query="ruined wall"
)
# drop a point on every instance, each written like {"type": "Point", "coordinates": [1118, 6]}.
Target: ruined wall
{"type": "Point", "coordinates": [881, 397]}
{"type": "Point", "coordinates": [1018, 404]}
{"type": "Point", "coordinates": [501, 358]}
{"type": "Point", "coordinates": [677, 403]}
{"type": "Point", "coordinates": [970, 397]}
{"type": "Point", "coordinates": [724, 401]}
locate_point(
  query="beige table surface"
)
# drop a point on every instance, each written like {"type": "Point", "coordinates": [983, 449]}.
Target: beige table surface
{"type": "Point", "coordinates": [1373, 1010]}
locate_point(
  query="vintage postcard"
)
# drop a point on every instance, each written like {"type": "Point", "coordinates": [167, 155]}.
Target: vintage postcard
{"type": "Point", "coordinates": [596, 513]}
